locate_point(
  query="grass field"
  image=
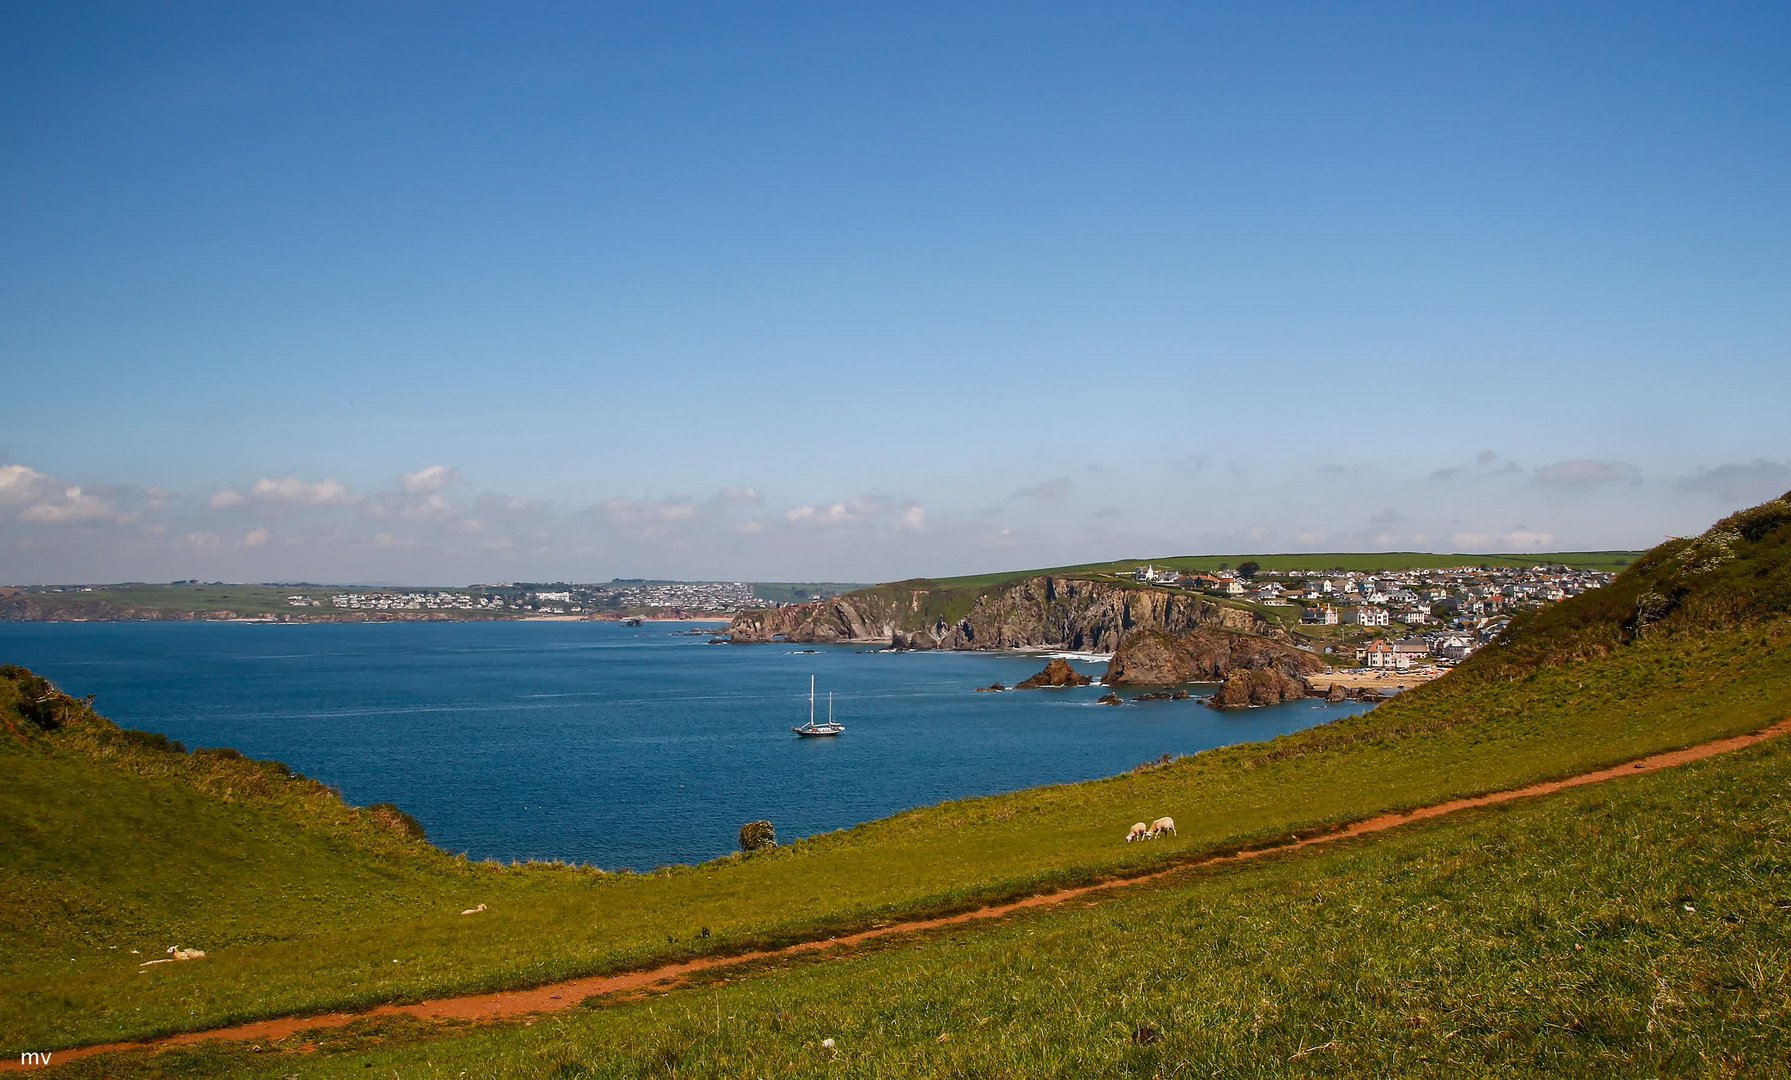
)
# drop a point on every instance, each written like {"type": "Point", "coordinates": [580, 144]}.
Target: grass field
{"type": "Point", "coordinates": [1637, 929]}
{"type": "Point", "coordinates": [108, 843]}
{"type": "Point", "coordinates": [796, 592]}
{"type": "Point", "coordinates": [304, 905]}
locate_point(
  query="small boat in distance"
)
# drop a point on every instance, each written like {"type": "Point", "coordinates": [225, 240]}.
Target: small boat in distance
{"type": "Point", "coordinates": [811, 729]}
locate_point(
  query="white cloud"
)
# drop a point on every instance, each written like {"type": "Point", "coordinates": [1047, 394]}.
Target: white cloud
{"type": "Point", "coordinates": [72, 507]}
{"type": "Point", "coordinates": [1582, 473]}
{"type": "Point", "coordinates": [226, 498]}
{"type": "Point", "coordinates": [290, 489]}
{"type": "Point", "coordinates": [432, 507]}
{"type": "Point", "coordinates": [1741, 484]}
{"type": "Point", "coordinates": [430, 478]}
{"type": "Point", "coordinates": [748, 495]}
{"type": "Point", "coordinates": [385, 541]}
{"type": "Point", "coordinates": [19, 484]}
{"type": "Point", "coordinates": [816, 517]}
{"type": "Point", "coordinates": [914, 519]}
{"type": "Point", "coordinates": [255, 538]}
{"type": "Point", "coordinates": [750, 528]}
{"type": "Point", "coordinates": [1311, 536]}
{"type": "Point", "coordinates": [204, 541]}
{"type": "Point", "coordinates": [1468, 541]}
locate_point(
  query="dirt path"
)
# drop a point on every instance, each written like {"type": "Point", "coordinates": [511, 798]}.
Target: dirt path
{"type": "Point", "coordinates": [507, 1004]}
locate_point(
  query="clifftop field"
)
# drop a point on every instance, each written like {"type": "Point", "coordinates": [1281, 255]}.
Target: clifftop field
{"type": "Point", "coordinates": [1636, 926]}
{"type": "Point", "coordinates": [1366, 562]}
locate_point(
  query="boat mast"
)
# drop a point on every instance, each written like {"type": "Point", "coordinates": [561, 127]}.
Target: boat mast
{"type": "Point", "coordinates": [830, 707]}
{"type": "Point", "coordinates": [811, 701]}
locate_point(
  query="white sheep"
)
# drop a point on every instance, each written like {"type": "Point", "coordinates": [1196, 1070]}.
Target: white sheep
{"type": "Point", "coordinates": [1140, 831]}
{"type": "Point", "coordinates": [1162, 825]}
{"type": "Point", "coordinates": [474, 910]}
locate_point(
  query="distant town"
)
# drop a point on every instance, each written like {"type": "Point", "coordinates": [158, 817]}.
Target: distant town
{"type": "Point", "coordinates": [621, 598]}
{"type": "Point", "coordinates": [1445, 613]}
{"type": "Point", "coordinates": [709, 597]}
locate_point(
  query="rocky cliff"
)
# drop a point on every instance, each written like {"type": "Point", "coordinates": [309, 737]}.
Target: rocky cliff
{"type": "Point", "coordinates": [1065, 613]}
{"type": "Point", "coordinates": [1203, 654]}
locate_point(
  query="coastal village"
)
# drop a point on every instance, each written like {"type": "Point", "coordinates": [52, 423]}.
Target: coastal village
{"type": "Point", "coordinates": [1405, 620]}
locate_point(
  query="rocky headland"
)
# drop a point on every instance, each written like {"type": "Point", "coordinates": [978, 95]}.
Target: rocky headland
{"type": "Point", "coordinates": [1046, 611]}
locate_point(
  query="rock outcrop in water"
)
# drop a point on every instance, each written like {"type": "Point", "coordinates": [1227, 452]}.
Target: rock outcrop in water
{"type": "Point", "coordinates": [1052, 611]}
{"type": "Point", "coordinates": [1261, 686]}
{"type": "Point", "coordinates": [1056, 673]}
{"type": "Point", "coordinates": [1203, 654]}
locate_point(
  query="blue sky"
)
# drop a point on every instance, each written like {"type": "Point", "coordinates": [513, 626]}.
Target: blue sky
{"type": "Point", "coordinates": [452, 292]}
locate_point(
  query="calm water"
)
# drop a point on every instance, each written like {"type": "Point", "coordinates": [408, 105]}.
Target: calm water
{"type": "Point", "coordinates": [615, 746]}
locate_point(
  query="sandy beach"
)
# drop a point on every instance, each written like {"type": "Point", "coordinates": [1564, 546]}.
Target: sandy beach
{"type": "Point", "coordinates": [1379, 680]}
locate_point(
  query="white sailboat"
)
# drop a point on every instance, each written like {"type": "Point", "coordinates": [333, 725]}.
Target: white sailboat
{"type": "Point", "coordinates": [811, 729]}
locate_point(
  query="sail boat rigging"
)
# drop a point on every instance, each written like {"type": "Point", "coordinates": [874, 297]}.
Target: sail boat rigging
{"type": "Point", "coordinates": [811, 729]}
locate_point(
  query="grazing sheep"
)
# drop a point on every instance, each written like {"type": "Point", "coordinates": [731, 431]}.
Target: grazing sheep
{"type": "Point", "coordinates": [1140, 831]}
{"type": "Point", "coordinates": [474, 910]}
{"type": "Point", "coordinates": [1162, 825]}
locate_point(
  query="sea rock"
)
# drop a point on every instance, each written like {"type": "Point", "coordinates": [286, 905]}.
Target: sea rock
{"type": "Point", "coordinates": [1164, 695]}
{"type": "Point", "coordinates": [1111, 698]}
{"type": "Point", "coordinates": [992, 688]}
{"type": "Point", "coordinates": [1056, 673]}
{"type": "Point", "coordinates": [1261, 686]}
{"type": "Point", "coordinates": [903, 640]}
{"type": "Point", "coordinates": [1202, 654]}
{"type": "Point", "coordinates": [1336, 693]}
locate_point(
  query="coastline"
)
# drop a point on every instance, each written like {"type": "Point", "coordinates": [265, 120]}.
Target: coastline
{"type": "Point", "coordinates": [365, 617]}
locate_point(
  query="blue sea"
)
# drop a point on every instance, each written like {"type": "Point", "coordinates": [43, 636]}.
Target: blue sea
{"type": "Point", "coordinates": [612, 745]}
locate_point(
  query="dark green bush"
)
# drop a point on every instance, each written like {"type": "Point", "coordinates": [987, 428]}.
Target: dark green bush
{"type": "Point", "coordinates": [755, 835]}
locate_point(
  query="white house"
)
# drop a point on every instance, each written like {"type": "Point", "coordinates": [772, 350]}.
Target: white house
{"type": "Point", "coordinates": [1382, 656]}
{"type": "Point", "coordinates": [1453, 647]}
{"type": "Point", "coordinates": [1364, 615]}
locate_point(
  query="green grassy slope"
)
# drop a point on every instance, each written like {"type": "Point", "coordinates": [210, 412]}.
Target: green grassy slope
{"type": "Point", "coordinates": [1576, 690]}
{"type": "Point", "coordinates": [1637, 929]}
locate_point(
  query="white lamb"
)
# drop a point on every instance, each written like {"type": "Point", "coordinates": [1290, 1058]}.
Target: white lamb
{"type": "Point", "coordinates": [1162, 825]}
{"type": "Point", "coordinates": [1140, 831]}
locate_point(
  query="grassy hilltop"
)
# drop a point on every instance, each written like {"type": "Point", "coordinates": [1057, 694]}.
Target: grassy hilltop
{"type": "Point", "coordinates": [110, 842]}
{"type": "Point", "coordinates": [1317, 562]}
